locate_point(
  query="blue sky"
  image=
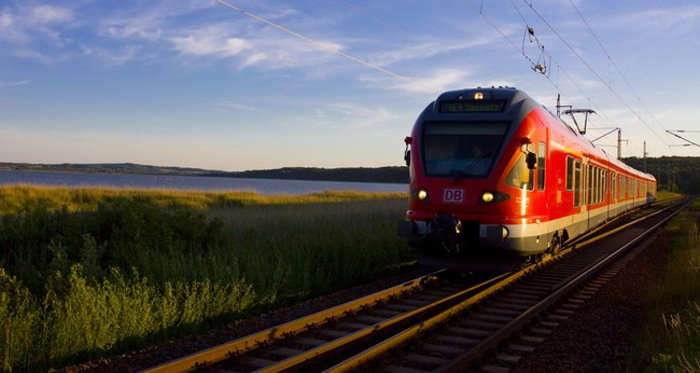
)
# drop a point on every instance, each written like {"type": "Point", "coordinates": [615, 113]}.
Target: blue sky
{"type": "Point", "coordinates": [200, 84]}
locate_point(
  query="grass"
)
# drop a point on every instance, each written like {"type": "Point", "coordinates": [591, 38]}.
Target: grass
{"type": "Point", "coordinates": [93, 272]}
{"type": "Point", "coordinates": [663, 195]}
{"type": "Point", "coordinates": [670, 342]}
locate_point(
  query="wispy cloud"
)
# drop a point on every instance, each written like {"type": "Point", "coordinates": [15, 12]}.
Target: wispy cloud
{"type": "Point", "coordinates": [149, 23]}
{"type": "Point", "coordinates": [438, 80]}
{"type": "Point", "coordinates": [342, 115]}
{"type": "Point", "coordinates": [10, 29]}
{"type": "Point", "coordinates": [144, 27]}
{"type": "Point", "coordinates": [235, 105]}
{"type": "Point", "coordinates": [14, 84]}
{"type": "Point", "coordinates": [427, 50]}
{"type": "Point", "coordinates": [660, 19]}
{"type": "Point", "coordinates": [248, 46]}
{"type": "Point", "coordinates": [29, 26]}
{"type": "Point", "coordinates": [49, 14]}
{"type": "Point", "coordinates": [213, 41]}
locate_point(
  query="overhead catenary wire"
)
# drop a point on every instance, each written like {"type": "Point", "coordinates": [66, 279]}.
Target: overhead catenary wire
{"type": "Point", "coordinates": [606, 84]}
{"type": "Point", "coordinates": [520, 51]}
{"type": "Point", "coordinates": [624, 78]}
{"type": "Point", "coordinates": [560, 68]}
{"type": "Point", "coordinates": [326, 47]}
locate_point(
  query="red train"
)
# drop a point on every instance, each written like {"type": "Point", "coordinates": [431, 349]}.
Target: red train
{"type": "Point", "coordinates": [495, 174]}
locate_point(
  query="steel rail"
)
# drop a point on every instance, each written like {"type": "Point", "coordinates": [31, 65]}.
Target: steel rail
{"type": "Point", "coordinates": [407, 334]}
{"type": "Point", "coordinates": [562, 289]}
{"type": "Point", "coordinates": [252, 341]}
{"type": "Point", "coordinates": [320, 351]}
{"type": "Point", "coordinates": [412, 332]}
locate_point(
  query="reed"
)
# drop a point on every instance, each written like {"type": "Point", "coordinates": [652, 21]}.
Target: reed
{"type": "Point", "coordinates": [92, 272]}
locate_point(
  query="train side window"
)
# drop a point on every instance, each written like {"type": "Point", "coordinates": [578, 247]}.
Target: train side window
{"type": "Point", "coordinates": [599, 184]}
{"type": "Point", "coordinates": [577, 183]}
{"type": "Point", "coordinates": [621, 192]}
{"type": "Point", "coordinates": [541, 156]}
{"type": "Point", "coordinates": [613, 189]}
{"type": "Point", "coordinates": [596, 184]}
{"type": "Point", "coordinates": [605, 182]}
{"type": "Point", "coordinates": [639, 188]}
{"type": "Point", "coordinates": [629, 192]}
{"type": "Point", "coordinates": [590, 184]}
{"type": "Point", "coordinates": [594, 189]}
{"type": "Point", "coordinates": [569, 173]}
{"type": "Point", "coordinates": [520, 175]}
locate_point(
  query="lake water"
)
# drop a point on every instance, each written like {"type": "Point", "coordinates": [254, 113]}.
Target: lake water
{"type": "Point", "coordinates": [263, 186]}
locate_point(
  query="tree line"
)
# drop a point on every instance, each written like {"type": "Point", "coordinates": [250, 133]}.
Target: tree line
{"type": "Point", "coordinates": [676, 174]}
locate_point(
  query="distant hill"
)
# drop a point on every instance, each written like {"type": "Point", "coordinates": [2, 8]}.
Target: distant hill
{"type": "Point", "coordinates": [359, 174]}
{"type": "Point", "coordinates": [683, 173]}
{"type": "Point", "coordinates": [121, 168]}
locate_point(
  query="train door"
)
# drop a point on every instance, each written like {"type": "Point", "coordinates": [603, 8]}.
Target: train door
{"type": "Point", "coordinates": [575, 184]}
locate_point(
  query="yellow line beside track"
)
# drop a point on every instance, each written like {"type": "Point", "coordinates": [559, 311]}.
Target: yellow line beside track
{"type": "Point", "coordinates": [247, 343]}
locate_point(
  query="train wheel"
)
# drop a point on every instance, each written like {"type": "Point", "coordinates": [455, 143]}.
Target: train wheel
{"type": "Point", "coordinates": [532, 259]}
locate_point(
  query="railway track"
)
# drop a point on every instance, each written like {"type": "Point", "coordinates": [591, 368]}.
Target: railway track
{"type": "Point", "coordinates": [436, 322]}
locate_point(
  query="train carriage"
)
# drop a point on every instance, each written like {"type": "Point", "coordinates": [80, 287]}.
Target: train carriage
{"type": "Point", "coordinates": [493, 173]}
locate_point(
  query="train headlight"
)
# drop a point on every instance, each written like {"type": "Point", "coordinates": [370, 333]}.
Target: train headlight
{"type": "Point", "coordinates": [493, 196]}
{"type": "Point", "coordinates": [422, 194]}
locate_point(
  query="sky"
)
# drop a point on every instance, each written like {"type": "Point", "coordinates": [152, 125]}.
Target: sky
{"type": "Point", "coordinates": [254, 84]}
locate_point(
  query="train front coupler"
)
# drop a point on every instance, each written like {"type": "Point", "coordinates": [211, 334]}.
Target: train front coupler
{"type": "Point", "coordinates": [447, 230]}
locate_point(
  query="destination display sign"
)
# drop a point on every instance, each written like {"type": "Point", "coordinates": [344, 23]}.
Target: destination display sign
{"type": "Point", "coordinates": [476, 106]}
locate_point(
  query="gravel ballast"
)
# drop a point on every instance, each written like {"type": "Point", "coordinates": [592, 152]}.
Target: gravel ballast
{"type": "Point", "coordinates": [598, 336]}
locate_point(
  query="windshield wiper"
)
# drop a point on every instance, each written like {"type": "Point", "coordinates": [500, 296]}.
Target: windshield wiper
{"type": "Point", "coordinates": [465, 171]}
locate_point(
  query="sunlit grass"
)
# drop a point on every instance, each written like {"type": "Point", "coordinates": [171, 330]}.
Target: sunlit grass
{"type": "Point", "coordinates": [91, 272]}
{"type": "Point", "coordinates": [14, 197]}
{"type": "Point", "coordinates": [663, 195]}
{"type": "Point", "coordinates": [670, 342]}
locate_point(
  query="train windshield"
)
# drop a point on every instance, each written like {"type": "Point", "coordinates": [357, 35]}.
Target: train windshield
{"type": "Point", "coordinates": [461, 149]}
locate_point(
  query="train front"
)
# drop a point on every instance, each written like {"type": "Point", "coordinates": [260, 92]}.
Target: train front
{"type": "Point", "coordinates": [470, 165]}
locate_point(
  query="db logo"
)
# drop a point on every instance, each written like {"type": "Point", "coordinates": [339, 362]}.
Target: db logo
{"type": "Point", "coordinates": [453, 195]}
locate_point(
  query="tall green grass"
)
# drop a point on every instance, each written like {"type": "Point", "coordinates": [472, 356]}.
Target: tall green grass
{"type": "Point", "coordinates": [92, 272]}
{"type": "Point", "coordinates": [670, 342]}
